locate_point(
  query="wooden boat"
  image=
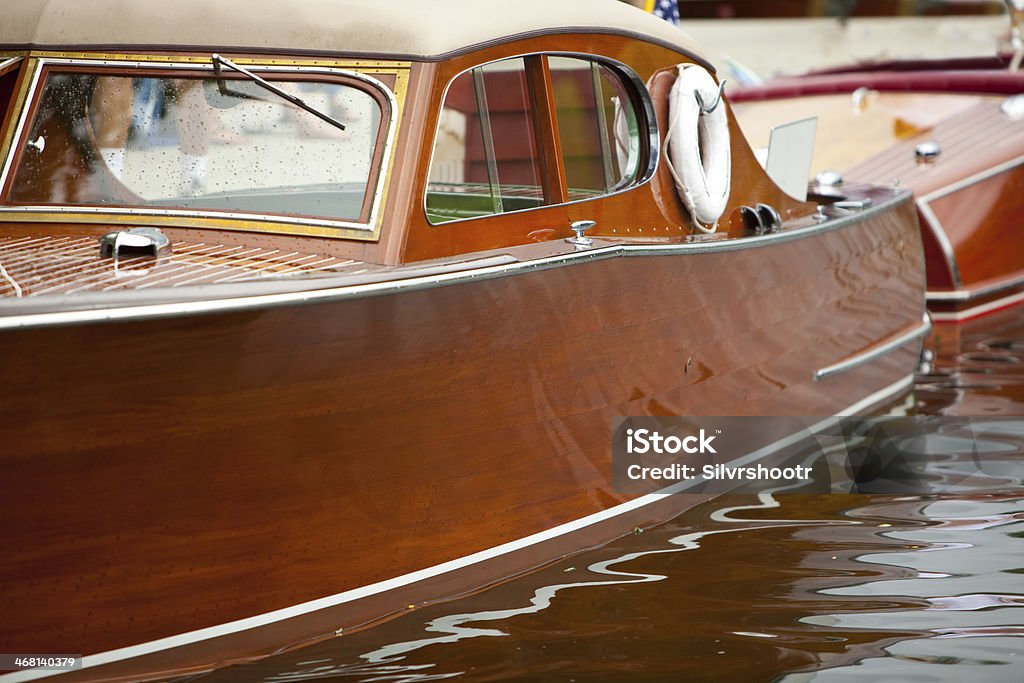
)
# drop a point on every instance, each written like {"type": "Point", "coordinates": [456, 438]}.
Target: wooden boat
{"type": "Point", "coordinates": [267, 379]}
{"type": "Point", "coordinates": [952, 131]}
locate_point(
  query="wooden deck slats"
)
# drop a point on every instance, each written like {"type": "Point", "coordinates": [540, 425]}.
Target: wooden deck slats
{"type": "Point", "coordinates": [36, 266]}
{"type": "Point", "coordinates": [972, 141]}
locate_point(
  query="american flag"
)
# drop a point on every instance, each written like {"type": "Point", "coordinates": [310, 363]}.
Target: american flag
{"type": "Point", "coordinates": [665, 9]}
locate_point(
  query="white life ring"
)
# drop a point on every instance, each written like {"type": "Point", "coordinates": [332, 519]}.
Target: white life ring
{"type": "Point", "coordinates": [699, 157]}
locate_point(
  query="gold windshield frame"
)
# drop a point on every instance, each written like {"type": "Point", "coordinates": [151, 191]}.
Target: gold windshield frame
{"type": "Point", "coordinates": [360, 70]}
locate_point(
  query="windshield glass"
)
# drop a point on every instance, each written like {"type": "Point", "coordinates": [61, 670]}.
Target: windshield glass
{"type": "Point", "coordinates": [197, 142]}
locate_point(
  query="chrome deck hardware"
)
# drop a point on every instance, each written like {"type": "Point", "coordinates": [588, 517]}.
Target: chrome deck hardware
{"type": "Point", "coordinates": [926, 363]}
{"type": "Point", "coordinates": [859, 99]}
{"type": "Point", "coordinates": [853, 204]}
{"type": "Point", "coordinates": [750, 220]}
{"type": "Point", "coordinates": [1013, 107]}
{"type": "Point", "coordinates": [580, 228]}
{"type": "Point", "coordinates": [927, 152]}
{"type": "Point", "coordinates": [135, 242]}
{"type": "Point", "coordinates": [840, 208]}
{"type": "Point", "coordinates": [760, 219]}
{"type": "Point", "coordinates": [829, 178]}
{"type": "Point", "coordinates": [770, 218]}
{"type": "Point", "coordinates": [714, 105]}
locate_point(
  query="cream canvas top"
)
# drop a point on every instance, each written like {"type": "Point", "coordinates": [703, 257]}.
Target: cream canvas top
{"type": "Point", "coordinates": [412, 28]}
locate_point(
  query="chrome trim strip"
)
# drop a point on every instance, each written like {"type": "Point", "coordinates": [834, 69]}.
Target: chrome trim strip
{"type": "Point", "coordinates": [978, 311]}
{"type": "Point", "coordinates": [621, 68]}
{"type": "Point", "coordinates": [859, 359]}
{"type": "Point", "coordinates": [375, 206]}
{"type": "Point", "coordinates": [493, 552]}
{"type": "Point", "coordinates": [9, 62]}
{"type": "Point", "coordinates": [942, 238]}
{"type": "Point", "coordinates": [340, 292]}
{"type": "Point", "coordinates": [978, 292]}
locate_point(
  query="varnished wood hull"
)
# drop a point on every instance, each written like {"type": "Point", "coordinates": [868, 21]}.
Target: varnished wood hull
{"type": "Point", "coordinates": [166, 475]}
{"type": "Point", "coordinates": [969, 201]}
{"type": "Point", "coordinates": [974, 225]}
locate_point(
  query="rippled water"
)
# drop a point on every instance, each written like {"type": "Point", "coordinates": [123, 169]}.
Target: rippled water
{"type": "Point", "coordinates": [789, 588]}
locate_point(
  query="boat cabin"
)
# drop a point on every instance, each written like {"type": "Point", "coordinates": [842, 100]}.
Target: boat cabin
{"type": "Point", "coordinates": [243, 127]}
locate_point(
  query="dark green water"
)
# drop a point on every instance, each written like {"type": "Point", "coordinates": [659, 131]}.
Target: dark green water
{"type": "Point", "coordinates": [793, 588]}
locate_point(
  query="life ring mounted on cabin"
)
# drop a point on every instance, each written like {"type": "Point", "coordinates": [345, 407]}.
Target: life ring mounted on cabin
{"type": "Point", "coordinates": [696, 146]}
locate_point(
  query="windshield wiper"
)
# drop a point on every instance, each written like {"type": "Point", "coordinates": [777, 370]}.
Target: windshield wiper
{"type": "Point", "coordinates": [218, 61]}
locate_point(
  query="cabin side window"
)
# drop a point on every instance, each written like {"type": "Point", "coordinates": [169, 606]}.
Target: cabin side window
{"type": "Point", "coordinates": [489, 150]}
{"type": "Point", "coordinates": [486, 158]}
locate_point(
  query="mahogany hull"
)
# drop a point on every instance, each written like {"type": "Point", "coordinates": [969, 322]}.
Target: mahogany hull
{"type": "Point", "coordinates": [974, 223]}
{"type": "Point", "coordinates": [165, 475]}
{"type": "Point", "coordinates": [969, 202]}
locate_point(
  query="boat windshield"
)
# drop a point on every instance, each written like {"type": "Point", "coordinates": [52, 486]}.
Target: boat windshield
{"type": "Point", "coordinates": [186, 142]}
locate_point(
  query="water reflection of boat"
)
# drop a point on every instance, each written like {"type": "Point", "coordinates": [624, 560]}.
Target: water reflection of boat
{"type": "Point", "coordinates": [977, 369]}
{"type": "Point", "coordinates": [271, 373]}
{"type": "Point", "coordinates": [634, 601]}
{"type": "Point", "coordinates": [951, 130]}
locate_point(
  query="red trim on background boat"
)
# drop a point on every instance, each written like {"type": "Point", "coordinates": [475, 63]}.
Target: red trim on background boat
{"type": "Point", "coordinates": [981, 82]}
{"type": "Point", "coordinates": [980, 311]}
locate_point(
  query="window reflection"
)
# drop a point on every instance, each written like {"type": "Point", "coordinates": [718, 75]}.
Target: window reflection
{"type": "Point", "coordinates": [597, 126]}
